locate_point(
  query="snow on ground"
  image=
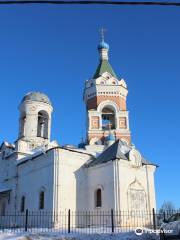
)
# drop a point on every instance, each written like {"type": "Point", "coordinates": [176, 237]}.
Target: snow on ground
{"type": "Point", "coordinates": [60, 236]}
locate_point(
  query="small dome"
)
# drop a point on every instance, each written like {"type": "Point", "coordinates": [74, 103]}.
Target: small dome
{"type": "Point", "coordinates": [36, 96]}
{"type": "Point", "coordinates": [103, 44]}
{"type": "Point", "coordinates": [110, 137]}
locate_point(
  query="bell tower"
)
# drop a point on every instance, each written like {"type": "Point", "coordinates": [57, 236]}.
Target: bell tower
{"type": "Point", "coordinates": [105, 98]}
{"type": "Point", "coordinates": [34, 121]}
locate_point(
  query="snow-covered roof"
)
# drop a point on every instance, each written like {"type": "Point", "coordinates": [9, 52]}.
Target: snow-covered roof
{"type": "Point", "coordinates": [5, 189]}
{"type": "Point", "coordinates": [118, 150]}
{"type": "Point", "coordinates": [42, 151]}
{"type": "Point", "coordinates": [8, 145]}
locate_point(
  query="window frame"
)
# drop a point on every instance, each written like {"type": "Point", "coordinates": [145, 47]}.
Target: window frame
{"type": "Point", "coordinates": [43, 124]}
{"type": "Point", "coordinates": [42, 200]}
{"type": "Point", "coordinates": [98, 198]}
{"type": "Point", "coordinates": [23, 202]}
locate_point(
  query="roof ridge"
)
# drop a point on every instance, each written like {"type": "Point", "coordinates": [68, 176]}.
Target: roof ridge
{"type": "Point", "coordinates": [118, 150]}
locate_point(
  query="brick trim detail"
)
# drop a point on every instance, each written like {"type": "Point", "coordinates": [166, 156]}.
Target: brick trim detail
{"type": "Point", "coordinates": [95, 101]}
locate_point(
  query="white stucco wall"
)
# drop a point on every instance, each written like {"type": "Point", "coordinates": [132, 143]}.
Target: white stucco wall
{"type": "Point", "coordinates": [101, 176]}
{"type": "Point", "coordinates": [128, 175]}
{"type": "Point", "coordinates": [8, 180]}
{"type": "Point", "coordinates": [34, 176]}
{"type": "Point", "coordinates": [69, 184]}
{"type": "Point", "coordinates": [71, 179]}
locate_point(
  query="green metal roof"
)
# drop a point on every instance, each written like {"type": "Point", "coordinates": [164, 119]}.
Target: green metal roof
{"type": "Point", "coordinates": [103, 67]}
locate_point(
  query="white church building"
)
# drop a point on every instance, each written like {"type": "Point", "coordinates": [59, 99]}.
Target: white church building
{"type": "Point", "coordinates": [104, 172]}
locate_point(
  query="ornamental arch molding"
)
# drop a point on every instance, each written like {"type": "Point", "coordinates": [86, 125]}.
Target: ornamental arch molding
{"type": "Point", "coordinates": [136, 197]}
{"type": "Point", "coordinates": [108, 111]}
{"type": "Point", "coordinates": [109, 104]}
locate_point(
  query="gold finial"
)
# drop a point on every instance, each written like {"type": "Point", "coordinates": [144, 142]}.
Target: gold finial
{"type": "Point", "coordinates": [102, 31]}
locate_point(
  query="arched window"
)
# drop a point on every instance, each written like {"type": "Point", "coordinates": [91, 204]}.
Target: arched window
{"type": "Point", "coordinates": [42, 128]}
{"type": "Point", "coordinates": [98, 198]}
{"type": "Point", "coordinates": [41, 200]}
{"type": "Point", "coordinates": [22, 125]}
{"type": "Point", "coordinates": [108, 118]}
{"type": "Point", "coordinates": [22, 204]}
{"type": "Point", "coordinates": [3, 208]}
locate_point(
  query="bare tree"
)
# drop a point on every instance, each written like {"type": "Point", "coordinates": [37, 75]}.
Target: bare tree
{"type": "Point", "coordinates": [167, 206]}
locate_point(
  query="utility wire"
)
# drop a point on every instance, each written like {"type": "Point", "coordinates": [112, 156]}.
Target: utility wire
{"type": "Point", "coordinates": [106, 2]}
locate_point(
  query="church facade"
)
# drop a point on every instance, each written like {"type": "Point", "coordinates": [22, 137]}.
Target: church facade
{"type": "Point", "coordinates": [104, 172]}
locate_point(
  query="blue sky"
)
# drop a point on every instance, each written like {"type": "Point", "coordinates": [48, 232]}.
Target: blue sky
{"type": "Point", "coordinates": [53, 49]}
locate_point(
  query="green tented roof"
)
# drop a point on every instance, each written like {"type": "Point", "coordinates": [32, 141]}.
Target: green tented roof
{"type": "Point", "coordinates": [103, 67]}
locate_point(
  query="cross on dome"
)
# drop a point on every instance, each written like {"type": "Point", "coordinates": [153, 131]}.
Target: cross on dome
{"type": "Point", "coordinates": [102, 31]}
{"type": "Point", "coordinates": [102, 44]}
